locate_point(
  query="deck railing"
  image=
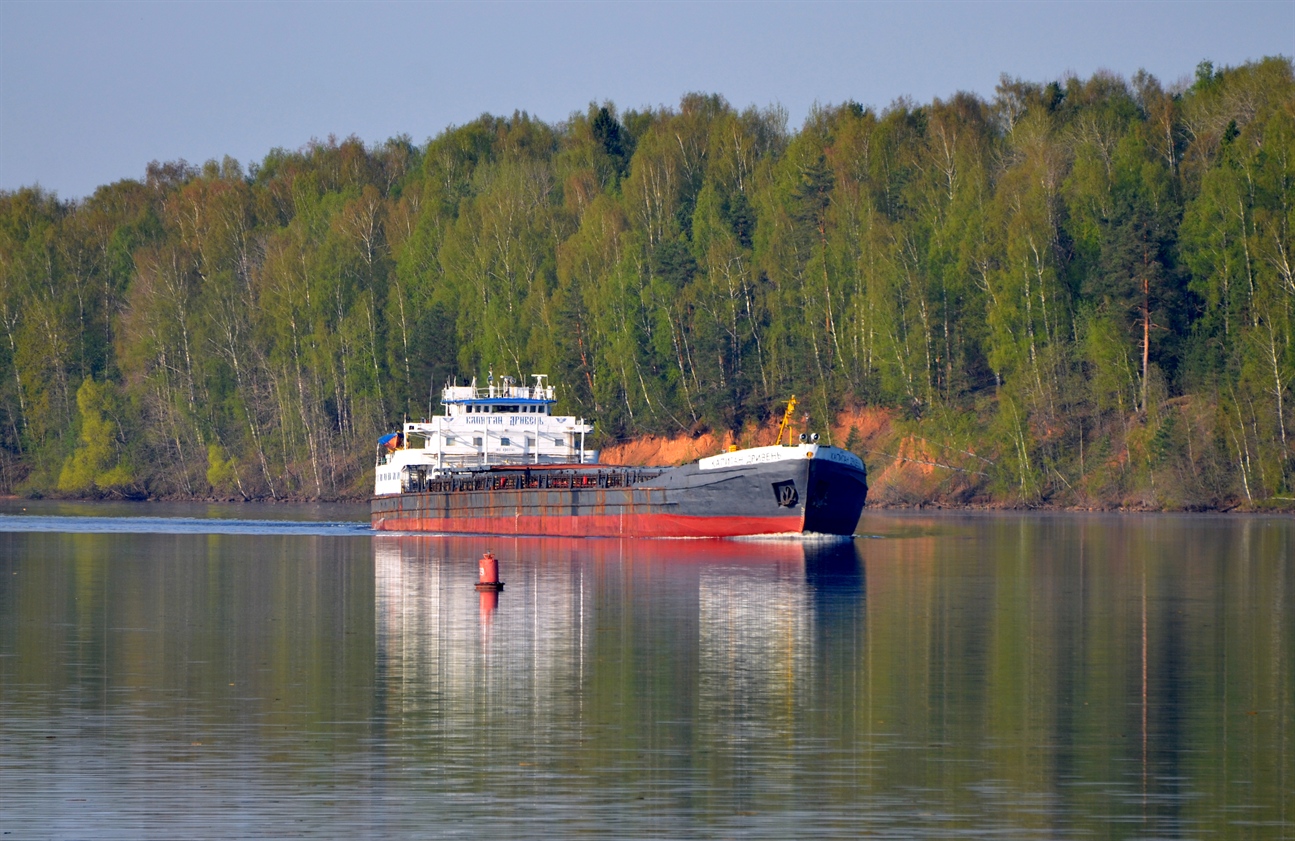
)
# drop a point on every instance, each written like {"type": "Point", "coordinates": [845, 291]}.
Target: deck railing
{"type": "Point", "coordinates": [417, 481]}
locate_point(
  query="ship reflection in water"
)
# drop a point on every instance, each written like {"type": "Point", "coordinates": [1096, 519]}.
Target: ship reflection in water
{"type": "Point", "coordinates": [744, 617]}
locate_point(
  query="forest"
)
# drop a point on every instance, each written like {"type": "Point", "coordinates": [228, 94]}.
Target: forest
{"type": "Point", "coordinates": [1077, 293]}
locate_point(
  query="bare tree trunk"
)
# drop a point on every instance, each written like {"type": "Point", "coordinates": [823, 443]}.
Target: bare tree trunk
{"type": "Point", "coordinates": [1243, 447]}
{"type": "Point", "coordinates": [304, 411]}
{"type": "Point", "coordinates": [1274, 358]}
{"type": "Point", "coordinates": [9, 322]}
{"type": "Point", "coordinates": [1146, 335]}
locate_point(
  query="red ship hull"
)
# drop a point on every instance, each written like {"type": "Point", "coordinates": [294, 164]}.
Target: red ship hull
{"type": "Point", "coordinates": [595, 525]}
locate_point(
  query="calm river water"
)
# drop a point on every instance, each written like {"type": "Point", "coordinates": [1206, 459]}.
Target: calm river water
{"type": "Point", "coordinates": [277, 672]}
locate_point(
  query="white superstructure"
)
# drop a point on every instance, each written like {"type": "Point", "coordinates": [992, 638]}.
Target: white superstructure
{"type": "Point", "coordinates": [505, 424]}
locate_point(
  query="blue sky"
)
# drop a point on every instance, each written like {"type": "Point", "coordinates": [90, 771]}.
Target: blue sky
{"type": "Point", "coordinates": [91, 92]}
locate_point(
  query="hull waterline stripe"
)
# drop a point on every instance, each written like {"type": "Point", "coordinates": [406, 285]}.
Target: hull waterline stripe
{"type": "Point", "coordinates": [626, 525]}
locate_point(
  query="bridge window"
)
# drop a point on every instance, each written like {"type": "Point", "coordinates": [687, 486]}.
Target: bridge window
{"type": "Point", "coordinates": [476, 442]}
{"type": "Point", "coordinates": [505, 442]}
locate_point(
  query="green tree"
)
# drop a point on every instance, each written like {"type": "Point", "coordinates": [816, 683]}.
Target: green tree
{"type": "Point", "coordinates": [99, 462]}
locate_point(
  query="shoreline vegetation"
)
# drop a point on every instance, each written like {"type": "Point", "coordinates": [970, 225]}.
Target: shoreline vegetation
{"type": "Point", "coordinates": [1072, 295]}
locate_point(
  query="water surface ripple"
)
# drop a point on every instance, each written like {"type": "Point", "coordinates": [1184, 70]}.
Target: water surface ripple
{"type": "Point", "coordinates": [175, 525]}
{"type": "Point", "coordinates": [244, 673]}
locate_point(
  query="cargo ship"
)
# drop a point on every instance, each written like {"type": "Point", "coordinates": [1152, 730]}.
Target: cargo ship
{"type": "Point", "coordinates": [499, 461]}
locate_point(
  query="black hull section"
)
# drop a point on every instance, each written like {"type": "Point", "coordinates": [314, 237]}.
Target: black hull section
{"type": "Point", "coordinates": [826, 496]}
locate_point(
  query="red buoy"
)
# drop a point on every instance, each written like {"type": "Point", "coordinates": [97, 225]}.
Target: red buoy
{"type": "Point", "coordinates": [488, 575]}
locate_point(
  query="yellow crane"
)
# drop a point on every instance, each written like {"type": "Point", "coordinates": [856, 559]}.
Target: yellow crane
{"type": "Point", "coordinates": [786, 418]}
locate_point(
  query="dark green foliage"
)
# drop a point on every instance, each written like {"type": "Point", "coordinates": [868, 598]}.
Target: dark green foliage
{"type": "Point", "coordinates": [672, 264]}
{"type": "Point", "coordinates": [607, 131]}
{"type": "Point", "coordinates": [985, 271]}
